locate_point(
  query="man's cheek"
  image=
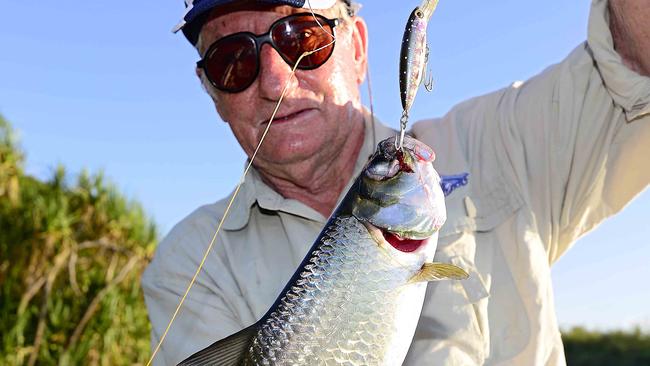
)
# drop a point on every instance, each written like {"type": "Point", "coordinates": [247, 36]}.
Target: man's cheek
{"type": "Point", "coordinates": [229, 108]}
{"type": "Point", "coordinates": [342, 90]}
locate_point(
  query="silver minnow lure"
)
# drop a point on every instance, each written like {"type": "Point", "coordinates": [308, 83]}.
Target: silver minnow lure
{"type": "Point", "coordinates": [357, 296]}
{"type": "Point", "coordinates": [414, 53]}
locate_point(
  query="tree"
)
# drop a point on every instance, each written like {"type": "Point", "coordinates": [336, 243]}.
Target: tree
{"type": "Point", "coordinates": [588, 348]}
{"type": "Point", "coordinates": [71, 256]}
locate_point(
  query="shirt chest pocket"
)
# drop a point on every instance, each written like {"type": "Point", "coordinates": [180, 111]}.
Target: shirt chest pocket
{"type": "Point", "coordinates": [455, 315]}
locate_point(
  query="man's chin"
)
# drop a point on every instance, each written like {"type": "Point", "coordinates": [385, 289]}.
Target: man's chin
{"type": "Point", "coordinates": [306, 151]}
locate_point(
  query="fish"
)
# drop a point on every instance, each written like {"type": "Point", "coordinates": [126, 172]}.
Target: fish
{"type": "Point", "coordinates": [357, 296]}
{"type": "Point", "coordinates": [414, 53]}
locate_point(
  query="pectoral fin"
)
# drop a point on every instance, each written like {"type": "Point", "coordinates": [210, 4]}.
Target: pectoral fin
{"type": "Point", "coordinates": [438, 271]}
{"type": "Point", "coordinates": [225, 352]}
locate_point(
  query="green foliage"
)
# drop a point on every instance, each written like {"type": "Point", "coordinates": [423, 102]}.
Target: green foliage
{"type": "Point", "coordinates": [71, 256]}
{"type": "Point", "coordinates": [619, 348]}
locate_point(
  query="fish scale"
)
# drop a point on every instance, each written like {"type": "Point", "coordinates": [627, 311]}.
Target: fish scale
{"type": "Point", "coordinates": [348, 279]}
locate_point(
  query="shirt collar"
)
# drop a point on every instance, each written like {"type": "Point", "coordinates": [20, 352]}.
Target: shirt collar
{"type": "Point", "coordinates": [254, 191]}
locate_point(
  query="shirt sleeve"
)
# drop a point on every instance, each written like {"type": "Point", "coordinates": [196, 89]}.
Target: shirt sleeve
{"type": "Point", "coordinates": [208, 312]}
{"type": "Point", "coordinates": [573, 141]}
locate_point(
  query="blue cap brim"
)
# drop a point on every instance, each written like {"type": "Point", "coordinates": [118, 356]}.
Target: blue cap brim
{"type": "Point", "coordinates": [194, 18]}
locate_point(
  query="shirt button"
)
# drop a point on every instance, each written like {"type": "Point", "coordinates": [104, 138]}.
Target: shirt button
{"type": "Point", "coordinates": [469, 207]}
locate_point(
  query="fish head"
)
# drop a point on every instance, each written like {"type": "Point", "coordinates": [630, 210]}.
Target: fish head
{"type": "Point", "coordinates": [399, 199]}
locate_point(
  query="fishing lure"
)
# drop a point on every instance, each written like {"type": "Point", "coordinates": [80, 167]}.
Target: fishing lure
{"type": "Point", "coordinates": [413, 59]}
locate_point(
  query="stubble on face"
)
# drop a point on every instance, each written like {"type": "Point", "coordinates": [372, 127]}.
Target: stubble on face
{"type": "Point", "coordinates": [313, 143]}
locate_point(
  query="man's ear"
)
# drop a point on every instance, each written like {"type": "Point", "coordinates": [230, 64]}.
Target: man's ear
{"type": "Point", "coordinates": [360, 46]}
{"type": "Point", "coordinates": [199, 74]}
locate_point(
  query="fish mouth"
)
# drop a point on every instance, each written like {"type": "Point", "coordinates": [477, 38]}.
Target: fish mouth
{"type": "Point", "coordinates": [403, 244]}
{"type": "Point", "coordinates": [398, 241]}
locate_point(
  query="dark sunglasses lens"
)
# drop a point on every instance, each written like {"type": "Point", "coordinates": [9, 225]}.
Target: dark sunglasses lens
{"type": "Point", "coordinates": [231, 64]}
{"type": "Point", "coordinates": [300, 34]}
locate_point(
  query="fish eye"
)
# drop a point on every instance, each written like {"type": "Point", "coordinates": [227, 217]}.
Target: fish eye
{"type": "Point", "coordinates": [382, 170]}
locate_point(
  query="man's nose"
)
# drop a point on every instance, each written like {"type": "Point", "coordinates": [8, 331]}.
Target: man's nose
{"type": "Point", "coordinates": [275, 73]}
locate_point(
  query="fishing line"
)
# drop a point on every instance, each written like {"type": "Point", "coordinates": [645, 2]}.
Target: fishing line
{"type": "Point", "coordinates": [235, 193]}
{"type": "Point", "coordinates": [311, 10]}
{"type": "Point", "coordinates": [372, 110]}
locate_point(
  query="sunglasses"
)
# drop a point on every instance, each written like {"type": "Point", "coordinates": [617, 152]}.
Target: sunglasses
{"type": "Point", "coordinates": [232, 63]}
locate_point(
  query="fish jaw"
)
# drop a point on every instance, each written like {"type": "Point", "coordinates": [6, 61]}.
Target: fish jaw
{"type": "Point", "coordinates": [406, 204]}
{"type": "Point", "coordinates": [411, 253]}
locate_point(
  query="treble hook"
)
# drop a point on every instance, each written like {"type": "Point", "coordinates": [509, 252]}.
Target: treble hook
{"type": "Point", "coordinates": [427, 78]}
{"type": "Point", "coordinates": [428, 81]}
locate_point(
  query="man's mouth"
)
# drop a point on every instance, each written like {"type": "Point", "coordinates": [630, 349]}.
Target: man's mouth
{"type": "Point", "coordinates": [290, 117]}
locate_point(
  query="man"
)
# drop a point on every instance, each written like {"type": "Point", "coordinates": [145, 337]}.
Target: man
{"type": "Point", "coordinates": [547, 161]}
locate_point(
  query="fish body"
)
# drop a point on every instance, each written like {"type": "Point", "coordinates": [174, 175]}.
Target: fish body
{"type": "Point", "coordinates": [357, 296]}
{"type": "Point", "coordinates": [348, 305]}
{"type": "Point", "coordinates": [414, 52]}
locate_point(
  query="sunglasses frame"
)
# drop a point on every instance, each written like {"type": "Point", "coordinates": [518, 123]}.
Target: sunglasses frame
{"type": "Point", "coordinates": [262, 39]}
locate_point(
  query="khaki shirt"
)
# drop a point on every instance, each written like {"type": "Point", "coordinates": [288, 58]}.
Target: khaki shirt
{"type": "Point", "coordinates": [548, 160]}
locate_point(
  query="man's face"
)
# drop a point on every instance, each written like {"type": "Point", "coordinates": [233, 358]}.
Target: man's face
{"type": "Point", "coordinates": [315, 114]}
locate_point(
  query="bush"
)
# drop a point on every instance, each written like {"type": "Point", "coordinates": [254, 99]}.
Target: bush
{"type": "Point", "coordinates": [71, 256]}
{"type": "Point", "coordinates": [618, 348]}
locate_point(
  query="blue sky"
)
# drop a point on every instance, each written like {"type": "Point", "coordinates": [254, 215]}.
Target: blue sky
{"type": "Point", "coordinates": [107, 86]}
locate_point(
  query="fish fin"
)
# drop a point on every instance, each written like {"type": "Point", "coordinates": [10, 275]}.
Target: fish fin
{"type": "Point", "coordinates": [438, 271]}
{"type": "Point", "coordinates": [224, 352]}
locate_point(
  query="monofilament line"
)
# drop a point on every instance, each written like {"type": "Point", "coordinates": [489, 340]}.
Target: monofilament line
{"type": "Point", "coordinates": [232, 199]}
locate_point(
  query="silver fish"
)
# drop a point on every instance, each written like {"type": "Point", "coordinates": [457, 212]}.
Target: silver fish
{"type": "Point", "coordinates": [357, 296]}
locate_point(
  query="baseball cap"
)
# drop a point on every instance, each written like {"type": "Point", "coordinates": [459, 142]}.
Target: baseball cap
{"type": "Point", "coordinates": [196, 10]}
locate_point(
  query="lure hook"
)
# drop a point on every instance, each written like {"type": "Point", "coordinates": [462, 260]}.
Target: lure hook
{"type": "Point", "coordinates": [427, 77]}
{"type": "Point", "coordinates": [428, 81]}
